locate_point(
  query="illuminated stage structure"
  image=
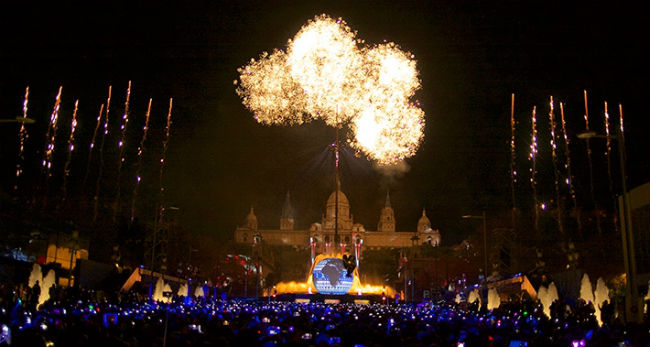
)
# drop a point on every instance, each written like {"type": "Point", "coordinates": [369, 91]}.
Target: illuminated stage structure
{"type": "Point", "coordinates": [336, 237]}
{"type": "Point", "coordinates": [328, 73]}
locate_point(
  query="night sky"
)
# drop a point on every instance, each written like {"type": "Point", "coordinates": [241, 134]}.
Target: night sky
{"type": "Point", "coordinates": [471, 56]}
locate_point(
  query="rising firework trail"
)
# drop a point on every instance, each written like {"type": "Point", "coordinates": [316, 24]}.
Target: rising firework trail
{"type": "Point", "coordinates": [22, 138]}
{"type": "Point", "coordinates": [622, 139]}
{"type": "Point", "coordinates": [163, 158]}
{"type": "Point", "coordinates": [513, 171]}
{"type": "Point", "coordinates": [121, 145]}
{"type": "Point", "coordinates": [591, 169]}
{"type": "Point", "coordinates": [92, 146]}
{"type": "Point", "coordinates": [533, 168]}
{"type": "Point", "coordinates": [620, 119]}
{"type": "Point", "coordinates": [608, 155]}
{"type": "Point", "coordinates": [337, 186]}
{"type": "Point", "coordinates": [160, 206]}
{"type": "Point", "coordinates": [327, 73]}
{"type": "Point", "coordinates": [138, 169]}
{"type": "Point", "coordinates": [567, 166]}
{"type": "Point", "coordinates": [66, 167]}
{"type": "Point", "coordinates": [556, 173]}
{"type": "Point", "coordinates": [101, 156]}
{"type": "Point", "coordinates": [50, 138]}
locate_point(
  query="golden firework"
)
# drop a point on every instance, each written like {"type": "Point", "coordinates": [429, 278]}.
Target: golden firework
{"type": "Point", "coordinates": [329, 74]}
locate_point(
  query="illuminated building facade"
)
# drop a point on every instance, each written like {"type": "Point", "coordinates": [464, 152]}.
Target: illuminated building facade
{"type": "Point", "coordinates": [350, 233]}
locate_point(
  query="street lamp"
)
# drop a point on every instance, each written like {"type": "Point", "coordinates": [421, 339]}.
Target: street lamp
{"type": "Point", "coordinates": [257, 240]}
{"type": "Point", "coordinates": [414, 243]}
{"type": "Point", "coordinates": [632, 304]}
{"type": "Point", "coordinates": [485, 262]}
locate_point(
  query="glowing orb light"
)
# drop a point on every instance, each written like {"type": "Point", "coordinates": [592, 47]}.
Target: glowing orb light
{"type": "Point", "coordinates": [330, 277]}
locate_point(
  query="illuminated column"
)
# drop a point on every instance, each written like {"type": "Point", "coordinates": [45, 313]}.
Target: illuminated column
{"type": "Point", "coordinates": [312, 244]}
{"type": "Point", "coordinates": [327, 244]}
{"type": "Point", "coordinates": [357, 251]}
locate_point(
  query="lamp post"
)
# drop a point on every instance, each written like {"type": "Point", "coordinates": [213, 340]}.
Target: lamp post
{"type": "Point", "coordinates": [632, 304]}
{"type": "Point", "coordinates": [257, 240]}
{"type": "Point", "coordinates": [74, 246]}
{"type": "Point", "coordinates": [485, 262]}
{"type": "Point", "coordinates": [246, 279]}
{"type": "Point", "coordinates": [414, 242]}
{"type": "Point", "coordinates": [405, 266]}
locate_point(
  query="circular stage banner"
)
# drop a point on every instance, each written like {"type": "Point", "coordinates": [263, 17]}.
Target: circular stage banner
{"type": "Point", "coordinates": [330, 277]}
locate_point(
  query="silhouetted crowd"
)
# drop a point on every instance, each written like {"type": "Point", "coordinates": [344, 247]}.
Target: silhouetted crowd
{"type": "Point", "coordinates": [75, 317]}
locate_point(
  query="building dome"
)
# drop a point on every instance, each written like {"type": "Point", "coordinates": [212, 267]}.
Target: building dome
{"type": "Point", "coordinates": [342, 198]}
{"type": "Point", "coordinates": [343, 206]}
{"type": "Point", "coordinates": [343, 210]}
{"type": "Point", "coordinates": [424, 224]}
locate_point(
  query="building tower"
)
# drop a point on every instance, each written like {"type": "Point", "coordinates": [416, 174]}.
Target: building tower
{"type": "Point", "coordinates": [251, 220]}
{"type": "Point", "coordinates": [425, 234]}
{"type": "Point", "coordinates": [387, 217]}
{"type": "Point", "coordinates": [286, 219]}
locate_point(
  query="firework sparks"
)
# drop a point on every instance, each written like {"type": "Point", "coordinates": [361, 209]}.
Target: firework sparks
{"type": "Point", "coordinates": [66, 167]}
{"type": "Point", "coordinates": [388, 127]}
{"type": "Point", "coordinates": [329, 74]}
{"type": "Point", "coordinates": [50, 138]}
{"type": "Point", "coordinates": [591, 169]}
{"type": "Point", "coordinates": [513, 171]}
{"type": "Point", "coordinates": [51, 135]}
{"type": "Point", "coordinates": [620, 119]}
{"type": "Point", "coordinates": [586, 111]}
{"type": "Point", "coordinates": [567, 165]}
{"type": "Point", "coordinates": [163, 157]}
{"type": "Point", "coordinates": [556, 173]}
{"type": "Point", "coordinates": [608, 155]}
{"type": "Point", "coordinates": [324, 60]}
{"type": "Point", "coordinates": [609, 142]}
{"type": "Point", "coordinates": [120, 145]}
{"type": "Point", "coordinates": [138, 169]}
{"type": "Point", "coordinates": [533, 168]}
{"type": "Point", "coordinates": [533, 141]}
{"type": "Point", "coordinates": [22, 137]}
{"type": "Point", "coordinates": [101, 155]}
{"type": "Point", "coordinates": [92, 145]}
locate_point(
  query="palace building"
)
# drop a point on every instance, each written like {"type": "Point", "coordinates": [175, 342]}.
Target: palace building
{"type": "Point", "coordinates": [321, 234]}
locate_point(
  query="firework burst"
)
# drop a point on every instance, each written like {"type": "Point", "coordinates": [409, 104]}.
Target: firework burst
{"type": "Point", "coordinates": [328, 73]}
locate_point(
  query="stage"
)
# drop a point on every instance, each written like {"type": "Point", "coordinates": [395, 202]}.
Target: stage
{"type": "Point", "coordinates": [331, 298]}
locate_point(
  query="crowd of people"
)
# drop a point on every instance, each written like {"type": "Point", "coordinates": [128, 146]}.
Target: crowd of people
{"type": "Point", "coordinates": [83, 318]}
